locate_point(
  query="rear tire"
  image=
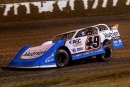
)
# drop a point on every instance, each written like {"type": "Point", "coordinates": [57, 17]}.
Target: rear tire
{"type": "Point", "coordinates": [106, 56]}
{"type": "Point", "coordinates": [62, 58]}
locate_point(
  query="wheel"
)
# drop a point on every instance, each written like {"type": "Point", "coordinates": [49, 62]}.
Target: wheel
{"type": "Point", "coordinates": [106, 56]}
{"type": "Point", "coordinates": [62, 58]}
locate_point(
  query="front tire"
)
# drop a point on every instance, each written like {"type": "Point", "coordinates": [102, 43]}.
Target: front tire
{"type": "Point", "coordinates": [106, 56]}
{"type": "Point", "coordinates": [62, 58]}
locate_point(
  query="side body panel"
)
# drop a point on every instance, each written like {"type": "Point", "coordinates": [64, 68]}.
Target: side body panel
{"type": "Point", "coordinates": [46, 60]}
{"type": "Point", "coordinates": [85, 46]}
{"type": "Point", "coordinates": [88, 54]}
{"type": "Point", "coordinates": [112, 35]}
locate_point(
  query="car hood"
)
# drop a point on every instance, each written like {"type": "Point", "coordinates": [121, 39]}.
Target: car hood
{"type": "Point", "coordinates": [36, 52]}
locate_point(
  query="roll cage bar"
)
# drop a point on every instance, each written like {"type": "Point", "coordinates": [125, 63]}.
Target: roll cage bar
{"type": "Point", "coordinates": [75, 32]}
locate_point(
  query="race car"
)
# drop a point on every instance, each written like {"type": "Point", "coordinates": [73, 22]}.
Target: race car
{"type": "Point", "coordinates": [73, 45]}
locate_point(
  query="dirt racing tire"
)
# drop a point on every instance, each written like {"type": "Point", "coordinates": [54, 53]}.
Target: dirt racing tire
{"type": "Point", "coordinates": [62, 58]}
{"type": "Point", "coordinates": [106, 56]}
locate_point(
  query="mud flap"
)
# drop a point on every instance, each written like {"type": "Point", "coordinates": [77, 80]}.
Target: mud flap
{"type": "Point", "coordinates": [117, 44]}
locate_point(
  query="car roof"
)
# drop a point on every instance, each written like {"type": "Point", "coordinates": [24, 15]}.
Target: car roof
{"type": "Point", "coordinates": [96, 26]}
{"type": "Point", "coordinates": [71, 31]}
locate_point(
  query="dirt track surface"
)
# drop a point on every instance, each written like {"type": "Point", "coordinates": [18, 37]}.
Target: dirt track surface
{"type": "Point", "coordinates": [16, 35]}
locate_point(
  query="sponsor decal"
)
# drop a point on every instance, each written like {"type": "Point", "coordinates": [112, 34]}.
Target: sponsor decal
{"type": "Point", "coordinates": [116, 38]}
{"type": "Point", "coordinates": [90, 52]}
{"type": "Point", "coordinates": [73, 50]}
{"type": "Point", "coordinates": [113, 34]}
{"type": "Point", "coordinates": [76, 42]}
{"type": "Point", "coordinates": [77, 49]}
{"type": "Point", "coordinates": [80, 48]}
{"type": "Point", "coordinates": [117, 42]}
{"type": "Point", "coordinates": [34, 53]}
{"type": "Point", "coordinates": [76, 45]}
{"type": "Point", "coordinates": [50, 58]}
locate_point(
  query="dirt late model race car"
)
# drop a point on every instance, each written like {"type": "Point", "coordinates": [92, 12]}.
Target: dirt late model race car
{"type": "Point", "coordinates": [73, 45]}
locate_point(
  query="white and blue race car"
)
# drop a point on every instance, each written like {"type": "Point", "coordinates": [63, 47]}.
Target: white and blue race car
{"type": "Point", "coordinates": [73, 45]}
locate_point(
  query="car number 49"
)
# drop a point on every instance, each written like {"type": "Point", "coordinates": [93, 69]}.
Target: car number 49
{"type": "Point", "coordinates": [92, 43]}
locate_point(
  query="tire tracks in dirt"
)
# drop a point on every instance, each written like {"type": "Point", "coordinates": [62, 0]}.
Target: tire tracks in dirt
{"type": "Point", "coordinates": [80, 69]}
{"type": "Point", "coordinates": [87, 66]}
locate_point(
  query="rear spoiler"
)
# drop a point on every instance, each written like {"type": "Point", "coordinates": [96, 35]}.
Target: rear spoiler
{"type": "Point", "coordinates": [114, 27]}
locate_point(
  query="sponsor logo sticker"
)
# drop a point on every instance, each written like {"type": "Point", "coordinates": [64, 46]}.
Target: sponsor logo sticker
{"type": "Point", "coordinates": [74, 50]}
{"type": "Point", "coordinates": [80, 49]}
{"type": "Point", "coordinates": [76, 42]}
{"type": "Point", "coordinates": [113, 34]}
{"type": "Point", "coordinates": [50, 58]}
{"type": "Point", "coordinates": [34, 53]}
{"type": "Point", "coordinates": [117, 42]}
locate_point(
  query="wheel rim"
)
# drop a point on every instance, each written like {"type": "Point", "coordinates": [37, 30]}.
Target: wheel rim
{"type": "Point", "coordinates": [61, 59]}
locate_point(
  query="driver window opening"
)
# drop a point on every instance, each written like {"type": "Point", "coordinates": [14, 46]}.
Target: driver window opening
{"type": "Point", "coordinates": [87, 32]}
